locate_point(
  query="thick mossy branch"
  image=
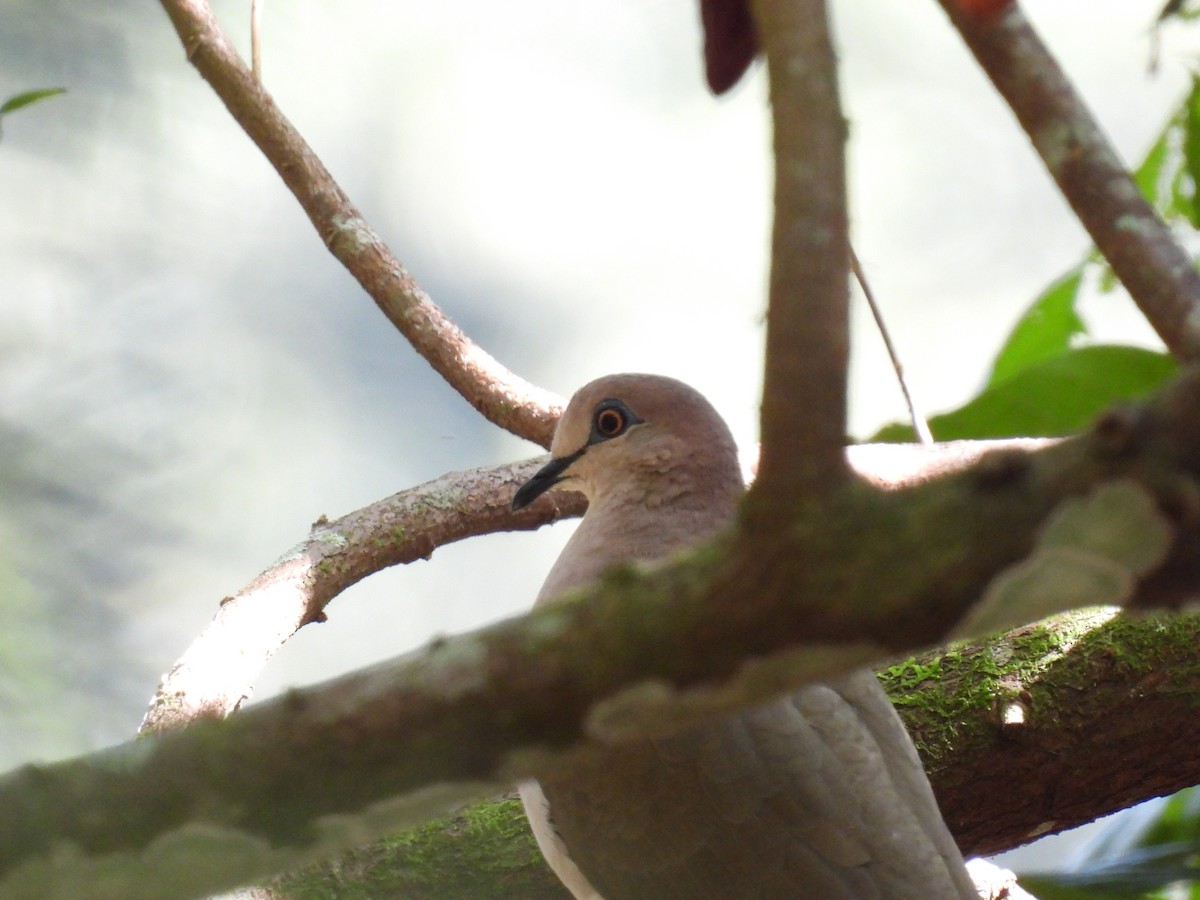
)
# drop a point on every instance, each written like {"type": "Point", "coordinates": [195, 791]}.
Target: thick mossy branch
{"type": "Point", "coordinates": [485, 852]}
{"type": "Point", "coordinates": [1034, 731]}
{"type": "Point", "coordinates": [858, 579]}
{"type": "Point", "coordinates": [910, 562]}
{"type": "Point", "coordinates": [1059, 723]}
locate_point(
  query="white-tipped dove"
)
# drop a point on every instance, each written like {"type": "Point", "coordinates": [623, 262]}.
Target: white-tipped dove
{"type": "Point", "coordinates": [817, 795]}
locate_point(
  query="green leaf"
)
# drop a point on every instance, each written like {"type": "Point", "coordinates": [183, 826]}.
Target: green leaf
{"type": "Point", "coordinates": [1149, 174]}
{"type": "Point", "coordinates": [1136, 873]}
{"type": "Point", "coordinates": [27, 98]}
{"type": "Point", "coordinates": [1180, 9]}
{"type": "Point", "coordinates": [1134, 856]}
{"type": "Point", "coordinates": [1166, 176]}
{"type": "Point", "coordinates": [1052, 398]}
{"type": "Point", "coordinates": [1191, 145]}
{"type": "Point", "coordinates": [1178, 820]}
{"type": "Point", "coordinates": [1045, 331]}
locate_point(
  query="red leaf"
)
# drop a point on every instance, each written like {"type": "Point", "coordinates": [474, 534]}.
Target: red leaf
{"type": "Point", "coordinates": [730, 41]}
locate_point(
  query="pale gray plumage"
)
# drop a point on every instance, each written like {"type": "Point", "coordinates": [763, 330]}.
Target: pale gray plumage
{"type": "Point", "coordinates": [816, 795]}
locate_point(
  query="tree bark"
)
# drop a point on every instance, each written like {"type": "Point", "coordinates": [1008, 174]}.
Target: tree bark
{"type": "Point", "coordinates": [316, 771]}
{"type": "Point", "coordinates": [1001, 778]}
{"type": "Point", "coordinates": [803, 419]}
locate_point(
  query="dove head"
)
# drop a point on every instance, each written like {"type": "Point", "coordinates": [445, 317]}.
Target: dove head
{"type": "Point", "coordinates": [640, 439]}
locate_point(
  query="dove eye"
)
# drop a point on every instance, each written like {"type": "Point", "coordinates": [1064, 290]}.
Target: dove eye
{"type": "Point", "coordinates": [610, 422]}
{"type": "Point", "coordinates": [612, 419]}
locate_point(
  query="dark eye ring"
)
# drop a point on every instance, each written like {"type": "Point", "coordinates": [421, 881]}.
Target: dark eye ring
{"type": "Point", "coordinates": [610, 421]}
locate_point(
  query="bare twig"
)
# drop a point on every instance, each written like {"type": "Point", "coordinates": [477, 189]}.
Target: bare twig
{"type": "Point", "coordinates": [256, 38]}
{"type": "Point", "coordinates": [502, 397]}
{"type": "Point", "coordinates": [218, 670]}
{"type": "Point", "coordinates": [1137, 244]}
{"type": "Point", "coordinates": [920, 426]}
{"type": "Point", "coordinates": [804, 388]}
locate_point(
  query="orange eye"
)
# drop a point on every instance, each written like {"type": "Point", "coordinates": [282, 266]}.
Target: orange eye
{"type": "Point", "coordinates": [610, 422]}
{"type": "Point", "coordinates": [611, 419]}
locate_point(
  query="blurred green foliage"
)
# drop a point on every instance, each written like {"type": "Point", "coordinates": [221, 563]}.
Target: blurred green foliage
{"type": "Point", "coordinates": [26, 98]}
{"type": "Point", "coordinates": [29, 669]}
{"type": "Point", "coordinates": [1154, 855]}
{"type": "Point", "coordinates": [1049, 379]}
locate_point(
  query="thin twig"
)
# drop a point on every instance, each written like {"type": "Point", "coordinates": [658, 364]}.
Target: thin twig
{"type": "Point", "coordinates": [920, 425]}
{"type": "Point", "coordinates": [256, 39]}
{"type": "Point", "coordinates": [1157, 272]}
{"type": "Point", "coordinates": [502, 397]}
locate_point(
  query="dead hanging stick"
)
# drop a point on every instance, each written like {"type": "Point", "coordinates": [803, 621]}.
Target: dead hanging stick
{"type": "Point", "coordinates": [920, 426]}
{"type": "Point", "coordinates": [256, 39]}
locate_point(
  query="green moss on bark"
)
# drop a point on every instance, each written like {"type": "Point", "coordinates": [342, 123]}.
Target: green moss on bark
{"type": "Point", "coordinates": [486, 851]}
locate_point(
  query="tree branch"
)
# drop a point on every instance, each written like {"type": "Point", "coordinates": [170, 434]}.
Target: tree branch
{"type": "Point", "coordinates": [503, 398]}
{"type": "Point", "coordinates": [218, 670]}
{"type": "Point", "coordinates": [296, 778]}
{"type": "Point", "coordinates": [804, 388]}
{"type": "Point", "coordinates": [188, 813]}
{"type": "Point", "coordinates": [1070, 678]}
{"type": "Point", "coordinates": [1158, 274]}
{"type": "Point", "coordinates": [1046, 728]}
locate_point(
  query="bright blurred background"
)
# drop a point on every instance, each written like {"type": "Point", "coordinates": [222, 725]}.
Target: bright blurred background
{"type": "Point", "coordinates": [188, 379]}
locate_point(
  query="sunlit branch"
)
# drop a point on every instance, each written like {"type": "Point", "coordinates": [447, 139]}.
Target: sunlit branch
{"type": "Point", "coordinates": [502, 397]}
